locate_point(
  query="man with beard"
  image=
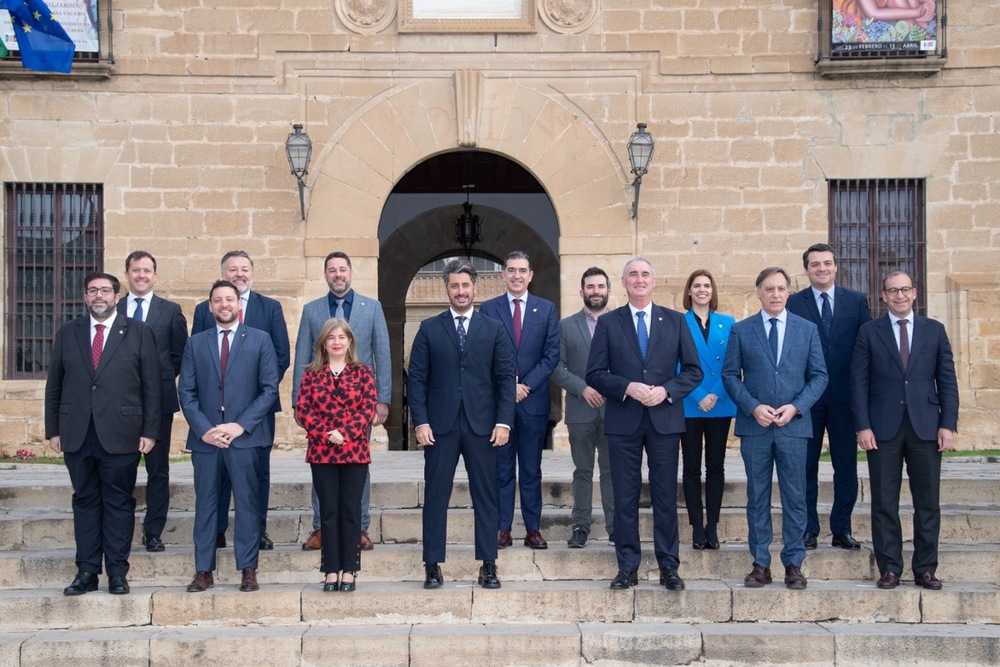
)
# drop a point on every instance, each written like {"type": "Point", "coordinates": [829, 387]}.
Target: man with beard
{"type": "Point", "coordinates": [102, 410]}
{"type": "Point", "coordinates": [371, 337]}
{"type": "Point", "coordinates": [228, 384]}
{"type": "Point", "coordinates": [585, 408]}
{"type": "Point", "coordinates": [264, 313]}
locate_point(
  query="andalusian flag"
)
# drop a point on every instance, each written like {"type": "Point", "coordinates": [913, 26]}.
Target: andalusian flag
{"type": "Point", "coordinates": [41, 40]}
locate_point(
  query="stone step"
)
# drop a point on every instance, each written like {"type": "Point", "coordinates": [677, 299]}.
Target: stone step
{"type": "Point", "coordinates": [53, 569]}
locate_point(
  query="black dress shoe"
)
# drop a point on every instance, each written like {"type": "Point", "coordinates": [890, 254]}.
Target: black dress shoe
{"type": "Point", "coordinates": [433, 577]}
{"type": "Point", "coordinates": [927, 580]}
{"type": "Point", "coordinates": [578, 539]}
{"type": "Point", "coordinates": [118, 585]}
{"type": "Point", "coordinates": [845, 541]}
{"type": "Point", "coordinates": [810, 540]}
{"type": "Point", "coordinates": [794, 579]}
{"type": "Point", "coordinates": [85, 582]}
{"type": "Point", "coordinates": [488, 575]}
{"type": "Point", "coordinates": [670, 579]}
{"type": "Point", "coordinates": [153, 543]}
{"type": "Point", "coordinates": [758, 577]}
{"type": "Point", "coordinates": [220, 540]}
{"type": "Point", "coordinates": [265, 542]}
{"type": "Point", "coordinates": [887, 581]}
{"type": "Point", "coordinates": [623, 580]}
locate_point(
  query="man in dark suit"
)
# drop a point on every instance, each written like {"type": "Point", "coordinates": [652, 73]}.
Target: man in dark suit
{"type": "Point", "coordinates": [264, 313]}
{"type": "Point", "coordinates": [102, 410]}
{"type": "Point", "coordinates": [170, 331]}
{"type": "Point", "coordinates": [461, 396]}
{"type": "Point", "coordinates": [228, 385]}
{"type": "Point", "coordinates": [634, 360]}
{"type": "Point", "coordinates": [585, 408]}
{"type": "Point", "coordinates": [838, 313]}
{"type": "Point", "coordinates": [774, 371]}
{"type": "Point", "coordinates": [533, 330]}
{"type": "Point", "coordinates": [904, 395]}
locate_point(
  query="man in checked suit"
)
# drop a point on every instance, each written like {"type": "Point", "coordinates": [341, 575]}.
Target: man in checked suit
{"type": "Point", "coordinates": [774, 371]}
{"type": "Point", "coordinates": [533, 330]}
{"type": "Point", "coordinates": [838, 313]}
{"type": "Point", "coordinates": [634, 361]}
{"type": "Point", "coordinates": [371, 336]}
{"type": "Point", "coordinates": [461, 391]}
{"type": "Point", "coordinates": [228, 385]}
{"type": "Point", "coordinates": [103, 407]}
{"type": "Point", "coordinates": [264, 313]}
{"type": "Point", "coordinates": [904, 395]}
{"type": "Point", "coordinates": [170, 330]}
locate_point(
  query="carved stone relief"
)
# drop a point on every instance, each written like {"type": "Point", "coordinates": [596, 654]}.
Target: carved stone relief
{"type": "Point", "coordinates": [365, 17]}
{"type": "Point", "coordinates": [568, 16]}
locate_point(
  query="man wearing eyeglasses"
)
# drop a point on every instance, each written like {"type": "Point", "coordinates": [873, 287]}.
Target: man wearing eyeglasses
{"type": "Point", "coordinates": [102, 410]}
{"type": "Point", "coordinates": [904, 397]}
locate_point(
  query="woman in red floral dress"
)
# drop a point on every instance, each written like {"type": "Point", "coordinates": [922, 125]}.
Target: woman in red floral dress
{"type": "Point", "coordinates": [336, 406]}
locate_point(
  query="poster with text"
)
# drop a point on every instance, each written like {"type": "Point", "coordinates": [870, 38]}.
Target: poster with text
{"type": "Point", "coordinates": [883, 25]}
{"type": "Point", "coordinates": [78, 19]}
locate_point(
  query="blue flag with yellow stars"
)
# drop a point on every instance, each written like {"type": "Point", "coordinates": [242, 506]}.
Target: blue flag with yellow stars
{"type": "Point", "coordinates": [44, 45]}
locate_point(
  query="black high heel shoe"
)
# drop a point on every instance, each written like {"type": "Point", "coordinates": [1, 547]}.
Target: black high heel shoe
{"type": "Point", "coordinates": [331, 586]}
{"type": "Point", "coordinates": [711, 537]}
{"type": "Point", "coordinates": [349, 586]}
{"type": "Point", "coordinates": [698, 540]}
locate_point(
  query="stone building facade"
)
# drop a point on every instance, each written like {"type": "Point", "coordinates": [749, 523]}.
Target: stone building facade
{"type": "Point", "coordinates": [185, 133]}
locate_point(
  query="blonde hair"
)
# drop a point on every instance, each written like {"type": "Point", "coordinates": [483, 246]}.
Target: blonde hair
{"type": "Point", "coordinates": [320, 358]}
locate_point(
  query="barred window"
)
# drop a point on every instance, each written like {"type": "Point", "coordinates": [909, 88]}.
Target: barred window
{"type": "Point", "coordinates": [54, 238]}
{"type": "Point", "coordinates": [878, 226]}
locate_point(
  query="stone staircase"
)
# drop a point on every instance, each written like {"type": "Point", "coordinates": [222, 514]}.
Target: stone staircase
{"type": "Point", "coordinates": [555, 607]}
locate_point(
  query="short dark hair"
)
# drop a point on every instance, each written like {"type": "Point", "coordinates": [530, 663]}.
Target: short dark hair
{"type": "Point", "coordinates": [817, 247]}
{"type": "Point", "coordinates": [594, 271]}
{"type": "Point", "coordinates": [336, 254]}
{"type": "Point", "coordinates": [222, 283]}
{"type": "Point", "coordinates": [116, 284]}
{"type": "Point", "coordinates": [713, 303]}
{"type": "Point", "coordinates": [459, 266]}
{"type": "Point", "coordinates": [137, 255]}
{"type": "Point", "coordinates": [770, 271]}
{"type": "Point", "coordinates": [893, 274]}
{"type": "Point", "coordinates": [517, 254]}
{"type": "Point", "coordinates": [236, 253]}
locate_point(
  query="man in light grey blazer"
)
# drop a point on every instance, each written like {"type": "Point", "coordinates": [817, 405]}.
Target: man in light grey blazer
{"type": "Point", "coordinates": [585, 408]}
{"type": "Point", "coordinates": [371, 335]}
{"type": "Point", "coordinates": [774, 372]}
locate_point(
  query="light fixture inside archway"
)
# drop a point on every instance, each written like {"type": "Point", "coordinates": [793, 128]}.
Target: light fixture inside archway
{"type": "Point", "coordinates": [468, 226]}
{"type": "Point", "coordinates": [640, 152]}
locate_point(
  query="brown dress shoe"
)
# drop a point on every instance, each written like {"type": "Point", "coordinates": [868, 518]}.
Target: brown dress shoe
{"type": "Point", "coordinates": [314, 542]}
{"type": "Point", "coordinates": [249, 581]}
{"type": "Point", "coordinates": [927, 580]}
{"type": "Point", "coordinates": [366, 542]}
{"type": "Point", "coordinates": [504, 539]}
{"type": "Point", "coordinates": [535, 540]}
{"type": "Point", "coordinates": [759, 577]}
{"type": "Point", "coordinates": [202, 582]}
{"type": "Point", "coordinates": [887, 581]}
{"type": "Point", "coordinates": [794, 579]}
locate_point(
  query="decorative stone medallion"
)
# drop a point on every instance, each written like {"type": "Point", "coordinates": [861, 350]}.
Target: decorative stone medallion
{"type": "Point", "coordinates": [365, 17]}
{"type": "Point", "coordinates": [568, 16]}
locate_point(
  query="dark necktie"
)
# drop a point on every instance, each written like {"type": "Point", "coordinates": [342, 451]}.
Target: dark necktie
{"type": "Point", "coordinates": [98, 345]}
{"type": "Point", "coordinates": [339, 312]}
{"type": "Point", "coordinates": [137, 315]}
{"type": "Point", "coordinates": [461, 332]}
{"type": "Point", "coordinates": [904, 345]}
{"type": "Point", "coordinates": [827, 313]}
{"type": "Point", "coordinates": [772, 338]}
{"type": "Point", "coordinates": [224, 359]}
{"type": "Point", "coordinates": [643, 333]}
{"type": "Point", "coordinates": [517, 322]}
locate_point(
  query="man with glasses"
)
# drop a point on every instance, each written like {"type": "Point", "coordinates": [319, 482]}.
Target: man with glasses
{"type": "Point", "coordinates": [904, 396]}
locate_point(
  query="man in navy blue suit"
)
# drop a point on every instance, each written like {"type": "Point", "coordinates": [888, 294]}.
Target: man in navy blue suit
{"type": "Point", "coordinates": [461, 395]}
{"type": "Point", "coordinates": [533, 330]}
{"type": "Point", "coordinates": [838, 313]}
{"type": "Point", "coordinates": [264, 313]}
{"type": "Point", "coordinates": [634, 360]}
{"type": "Point", "coordinates": [774, 372]}
{"type": "Point", "coordinates": [904, 395]}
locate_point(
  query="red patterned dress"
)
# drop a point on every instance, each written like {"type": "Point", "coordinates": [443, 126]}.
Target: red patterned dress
{"type": "Point", "coordinates": [345, 403]}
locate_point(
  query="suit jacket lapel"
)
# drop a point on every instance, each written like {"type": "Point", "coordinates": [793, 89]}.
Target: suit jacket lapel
{"type": "Point", "coordinates": [582, 327]}
{"type": "Point", "coordinates": [691, 320]}
{"type": "Point", "coordinates": [508, 319]}
{"type": "Point", "coordinates": [888, 339]}
{"type": "Point", "coordinates": [919, 338]}
{"type": "Point", "coordinates": [448, 324]}
{"type": "Point", "coordinates": [625, 321]}
{"type": "Point", "coordinates": [82, 336]}
{"type": "Point", "coordinates": [235, 345]}
{"type": "Point", "coordinates": [113, 336]}
{"type": "Point", "coordinates": [758, 328]}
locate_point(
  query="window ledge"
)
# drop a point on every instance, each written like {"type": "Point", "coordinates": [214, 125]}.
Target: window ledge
{"type": "Point", "coordinates": [13, 69]}
{"type": "Point", "coordinates": [844, 68]}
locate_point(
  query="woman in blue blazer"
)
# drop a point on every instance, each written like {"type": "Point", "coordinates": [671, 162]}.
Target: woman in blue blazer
{"type": "Point", "coordinates": [708, 410]}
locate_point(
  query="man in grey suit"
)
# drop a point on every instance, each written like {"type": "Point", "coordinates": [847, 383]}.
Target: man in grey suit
{"type": "Point", "coordinates": [371, 336]}
{"type": "Point", "coordinates": [228, 386]}
{"type": "Point", "coordinates": [585, 408]}
{"type": "Point", "coordinates": [774, 371]}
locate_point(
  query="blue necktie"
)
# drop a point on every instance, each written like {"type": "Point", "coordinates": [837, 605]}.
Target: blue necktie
{"type": "Point", "coordinates": [772, 338]}
{"type": "Point", "coordinates": [137, 315]}
{"type": "Point", "coordinates": [461, 332]}
{"type": "Point", "coordinates": [827, 313]}
{"type": "Point", "coordinates": [643, 333]}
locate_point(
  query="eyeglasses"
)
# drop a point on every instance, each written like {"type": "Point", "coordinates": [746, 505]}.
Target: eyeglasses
{"type": "Point", "coordinates": [893, 291]}
{"type": "Point", "coordinates": [103, 291]}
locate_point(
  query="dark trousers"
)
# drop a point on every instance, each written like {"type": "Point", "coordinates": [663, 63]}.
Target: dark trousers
{"type": "Point", "coordinates": [626, 473]}
{"type": "Point", "coordinates": [838, 422]}
{"type": "Point", "coordinates": [339, 489]}
{"type": "Point", "coordinates": [158, 480]}
{"type": "Point", "coordinates": [522, 452]}
{"type": "Point", "coordinates": [103, 505]}
{"type": "Point", "coordinates": [885, 470]}
{"type": "Point", "coordinates": [584, 440]}
{"type": "Point", "coordinates": [241, 464]}
{"type": "Point", "coordinates": [440, 461]}
{"type": "Point", "coordinates": [263, 491]}
{"type": "Point", "coordinates": [714, 433]}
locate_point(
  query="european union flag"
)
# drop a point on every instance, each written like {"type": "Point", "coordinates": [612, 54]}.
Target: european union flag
{"type": "Point", "coordinates": [44, 45]}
